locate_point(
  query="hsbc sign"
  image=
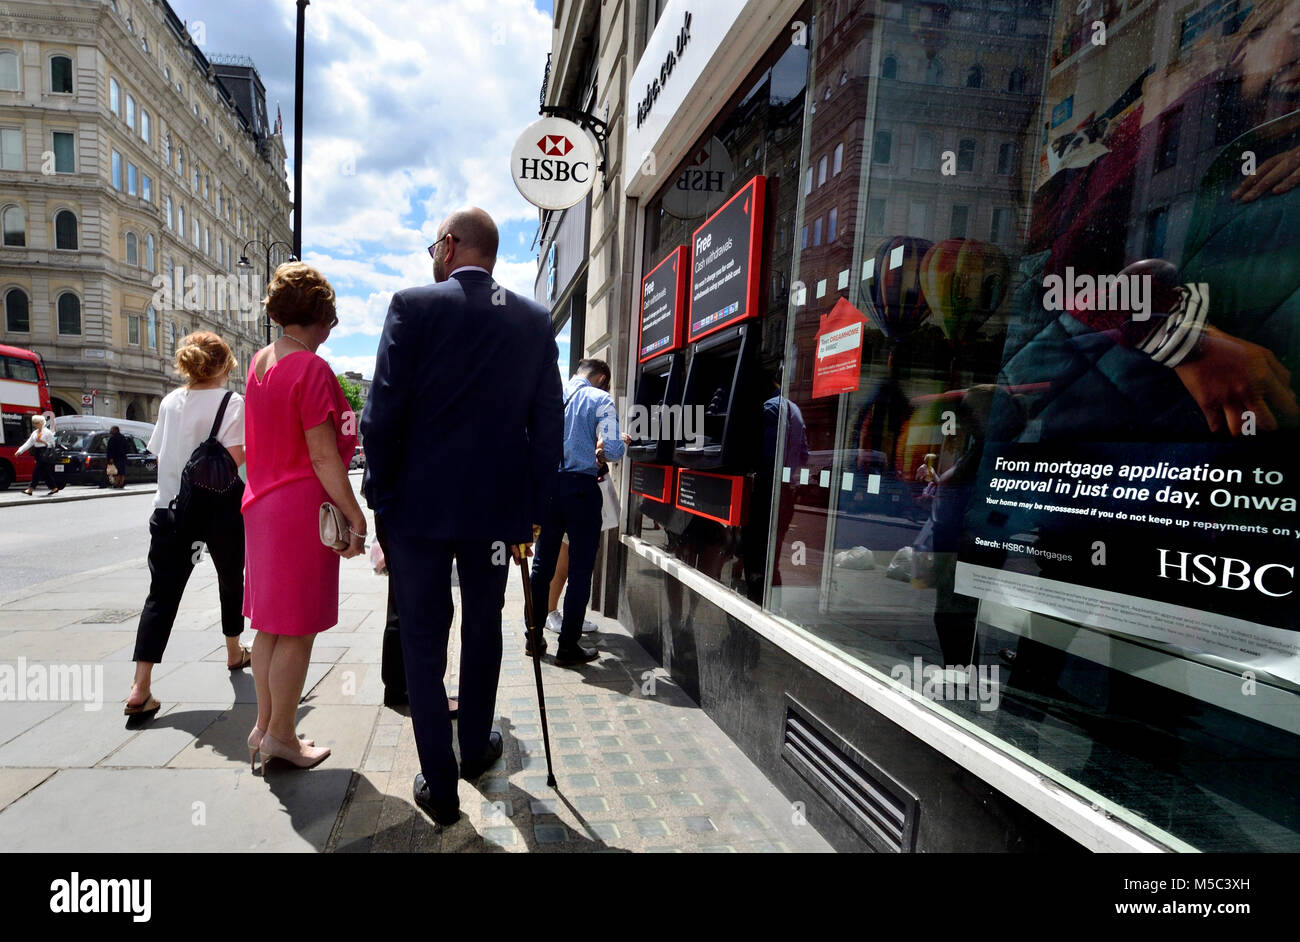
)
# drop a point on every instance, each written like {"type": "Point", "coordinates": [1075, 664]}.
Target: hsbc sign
{"type": "Point", "coordinates": [553, 163]}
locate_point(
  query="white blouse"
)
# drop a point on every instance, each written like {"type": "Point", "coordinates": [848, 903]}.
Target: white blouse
{"type": "Point", "coordinates": [40, 438]}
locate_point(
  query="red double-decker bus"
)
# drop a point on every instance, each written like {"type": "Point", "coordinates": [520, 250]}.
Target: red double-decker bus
{"type": "Point", "coordinates": [24, 393]}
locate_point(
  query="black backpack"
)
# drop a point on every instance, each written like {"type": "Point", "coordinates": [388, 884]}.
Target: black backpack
{"type": "Point", "coordinates": [210, 482]}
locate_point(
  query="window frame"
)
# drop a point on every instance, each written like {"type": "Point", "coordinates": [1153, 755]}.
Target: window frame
{"type": "Point", "coordinates": [72, 73]}
{"type": "Point", "coordinates": [76, 230]}
{"type": "Point", "coordinates": [58, 314]}
{"type": "Point", "coordinates": [27, 300]}
{"type": "Point", "coordinates": [4, 212]}
{"type": "Point", "coordinates": [54, 134]}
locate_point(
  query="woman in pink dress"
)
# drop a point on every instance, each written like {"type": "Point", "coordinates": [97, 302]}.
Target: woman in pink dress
{"type": "Point", "coordinates": [299, 438]}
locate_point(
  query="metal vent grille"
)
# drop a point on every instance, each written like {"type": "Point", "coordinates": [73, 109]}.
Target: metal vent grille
{"type": "Point", "coordinates": [876, 806]}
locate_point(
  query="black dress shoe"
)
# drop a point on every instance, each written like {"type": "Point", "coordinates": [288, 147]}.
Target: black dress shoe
{"type": "Point", "coordinates": [445, 815]}
{"type": "Point", "coordinates": [528, 647]}
{"type": "Point", "coordinates": [475, 767]}
{"type": "Point", "coordinates": [571, 657]}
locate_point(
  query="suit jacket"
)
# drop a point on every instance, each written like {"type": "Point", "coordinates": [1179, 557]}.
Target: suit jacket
{"type": "Point", "coordinates": [464, 425]}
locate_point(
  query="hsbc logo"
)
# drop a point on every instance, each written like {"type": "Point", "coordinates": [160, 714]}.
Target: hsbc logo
{"type": "Point", "coordinates": [552, 163]}
{"type": "Point", "coordinates": [555, 145]}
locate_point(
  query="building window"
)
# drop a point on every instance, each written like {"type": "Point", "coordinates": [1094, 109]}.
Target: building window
{"type": "Point", "coordinates": [171, 215]}
{"type": "Point", "coordinates": [934, 71]}
{"type": "Point", "coordinates": [1016, 82]}
{"type": "Point", "coordinates": [132, 249]}
{"type": "Point", "coordinates": [1157, 232]}
{"type": "Point", "coordinates": [918, 219]}
{"type": "Point", "coordinates": [180, 162]}
{"type": "Point", "coordinates": [18, 316]}
{"type": "Point", "coordinates": [65, 230]}
{"type": "Point", "coordinates": [923, 158]}
{"type": "Point", "coordinates": [117, 170]}
{"type": "Point", "coordinates": [133, 330]}
{"type": "Point", "coordinates": [114, 97]}
{"type": "Point", "coordinates": [974, 77]}
{"type": "Point", "coordinates": [882, 147]}
{"type": "Point", "coordinates": [69, 314]}
{"type": "Point", "coordinates": [817, 231]}
{"type": "Point", "coordinates": [1006, 158]}
{"type": "Point", "coordinates": [132, 180]}
{"type": "Point", "coordinates": [180, 221]}
{"type": "Point", "coordinates": [8, 70]}
{"type": "Point", "coordinates": [65, 151]}
{"type": "Point", "coordinates": [150, 253]}
{"type": "Point", "coordinates": [960, 216]}
{"type": "Point", "coordinates": [15, 226]}
{"type": "Point", "coordinates": [1167, 139]}
{"type": "Point", "coordinates": [966, 155]}
{"type": "Point", "coordinates": [832, 223]}
{"type": "Point", "coordinates": [144, 125]}
{"type": "Point", "coordinates": [875, 216]}
{"type": "Point", "coordinates": [1004, 222]}
{"type": "Point", "coordinates": [151, 323]}
{"type": "Point", "coordinates": [146, 188]}
{"type": "Point", "coordinates": [130, 111]}
{"type": "Point", "coordinates": [61, 75]}
{"type": "Point", "coordinates": [821, 170]}
{"type": "Point", "coordinates": [889, 68]}
{"type": "Point", "coordinates": [837, 162]}
{"type": "Point", "coordinates": [808, 182]}
{"type": "Point", "coordinates": [198, 233]}
{"type": "Point", "coordinates": [11, 149]}
{"type": "Point", "coordinates": [803, 238]}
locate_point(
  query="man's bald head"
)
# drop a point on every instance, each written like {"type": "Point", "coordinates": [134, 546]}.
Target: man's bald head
{"type": "Point", "coordinates": [466, 237]}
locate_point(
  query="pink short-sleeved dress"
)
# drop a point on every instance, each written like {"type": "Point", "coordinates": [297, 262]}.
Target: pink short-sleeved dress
{"type": "Point", "coordinates": [291, 581]}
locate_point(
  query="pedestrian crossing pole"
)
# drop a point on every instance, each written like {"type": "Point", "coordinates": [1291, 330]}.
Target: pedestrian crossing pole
{"type": "Point", "coordinates": [535, 639]}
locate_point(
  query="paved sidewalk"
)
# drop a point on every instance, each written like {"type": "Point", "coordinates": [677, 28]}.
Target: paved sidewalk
{"type": "Point", "coordinates": [14, 496]}
{"type": "Point", "coordinates": [640, 767]}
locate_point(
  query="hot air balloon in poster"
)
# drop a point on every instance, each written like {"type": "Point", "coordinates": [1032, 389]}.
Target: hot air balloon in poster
{"type": "Point", "coordinates": [964, 281]}
{"type": "Point", "coordinates": [898, 304]}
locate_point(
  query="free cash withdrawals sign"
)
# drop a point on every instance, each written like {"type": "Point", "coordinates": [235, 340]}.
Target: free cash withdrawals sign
{"type": "Point", "coordinates": [838, 356]}
{"type": "Point", "coordinates": [663, 305]}
{"type": "Point", "coordinates": [726, 263]}
{"type": "Point", "coordinates": [1191, 544]}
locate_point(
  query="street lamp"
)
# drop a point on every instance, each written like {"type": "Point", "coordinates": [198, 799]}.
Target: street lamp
{"type": "Point", "coordinates": [245, 263]}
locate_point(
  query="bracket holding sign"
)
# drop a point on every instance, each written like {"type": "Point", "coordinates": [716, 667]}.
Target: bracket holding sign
{"type": "Point", "coordinates": [588, 122]}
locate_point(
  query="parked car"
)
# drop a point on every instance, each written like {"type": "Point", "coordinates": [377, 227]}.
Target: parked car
{"type": "Point", "coordinates": [82, 449]}
{"type": "Point", "coordinates": [358, 459]}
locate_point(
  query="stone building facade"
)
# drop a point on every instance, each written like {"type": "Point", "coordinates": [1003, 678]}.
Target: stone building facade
{"type": "Point", "coordinates": [134, 168]}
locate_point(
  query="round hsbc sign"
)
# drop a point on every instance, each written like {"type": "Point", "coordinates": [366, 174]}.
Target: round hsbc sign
{"type": "Point", "coordinates": [553, 163]}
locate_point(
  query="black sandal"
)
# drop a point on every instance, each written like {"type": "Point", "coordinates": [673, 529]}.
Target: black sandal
{"type": "Point", "coordinates": [245, 661]}
{"type": "Point", "coordinates": [148, 708]}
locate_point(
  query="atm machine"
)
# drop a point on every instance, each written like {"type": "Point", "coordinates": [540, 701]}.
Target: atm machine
{"type": "Point", "coordinates": [722, 398]}
{"type": "Point", "coordinates": [660, 377]}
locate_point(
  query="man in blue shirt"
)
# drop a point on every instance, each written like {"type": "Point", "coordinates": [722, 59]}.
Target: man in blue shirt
{"type": "Point", "coordinates": [575, 506]}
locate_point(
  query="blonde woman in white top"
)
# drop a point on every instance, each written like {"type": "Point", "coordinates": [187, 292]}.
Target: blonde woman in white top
{"type": "Point", "coordinates": [41, 445]}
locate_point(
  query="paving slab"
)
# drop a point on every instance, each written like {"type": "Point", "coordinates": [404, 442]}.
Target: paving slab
{"type": "Point", "coordinates": [14, 783]}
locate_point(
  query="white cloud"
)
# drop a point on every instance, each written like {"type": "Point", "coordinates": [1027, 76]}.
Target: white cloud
{"type": "Point", "coordinates": [411, 110]}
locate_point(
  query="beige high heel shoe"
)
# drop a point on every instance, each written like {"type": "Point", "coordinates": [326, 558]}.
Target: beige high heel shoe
{"type": "Point", "coordinates": [305, 757]}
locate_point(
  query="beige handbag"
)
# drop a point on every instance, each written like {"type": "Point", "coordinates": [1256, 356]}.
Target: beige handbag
{"type": "Point", "coordinates": [333, 527]}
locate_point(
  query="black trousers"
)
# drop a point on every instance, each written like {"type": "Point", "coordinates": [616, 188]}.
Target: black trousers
{"type": "Point", "coordinates": [43, 472]}
{"type": "Point", "coordinates": [173, 554]}
{"type": "Point", "coordinates": [391, 666]}
{"type": "Point", "coordinates": [420, 571]}
{"type": "Point", "coordinates": [574, 508]}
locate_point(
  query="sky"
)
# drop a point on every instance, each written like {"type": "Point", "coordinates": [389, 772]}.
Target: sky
{"type": "Point", "coordinates": [411, 108]}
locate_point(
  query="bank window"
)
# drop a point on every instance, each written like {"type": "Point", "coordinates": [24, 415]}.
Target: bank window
{"type": "Point", "coordinates": [146, 188]}
{"type": "Point", "coordinates": [8, 71]}
{"type": "Point", "coordinates": [957, 226]}
{"type": "Point", "coordinates": [875, 215]}
{"type": "Point", "coordinates": [61, 75]}
{"type": "Point", "coordinates": [116, 161]}
{"type": "Point", "coordinates": [11, 149]}
{"type": "Point", "coordinates": [132, 179]}
{"type": "Point", "coordinates": [132, 249]}
{"type": "Point", "coordinates": [65, 230]}
{"type": "Point", "coordinates": [882, 147]}
{"type": "Point", "coordinates": [15, 226]}
{"type": "Point", "coordinates": [923, 159]}
{"type": "Point", "coordinates": [966, 155]}
{"type": "Point", "coordinates": [18, 318]}
{"type": "Point", "coordinates": [133, 329]}
{"type": "Point", "coordinates": [144, 125]}
{"type": "Point", "coordinates": [1003, 228]}
{"type": "Point", "coordinates": [69, 307]}
{"type": "Point", "coordinates": [1167, 141]}
{"type": "Point", "coordinates": [65, 147]}
{"type": "Point", "coordinates": [171, 214]}
{"type": "Point", "coordinates": [151, 323]}
{"type": "Point", "coordinates": [130, 111]}
{"type": "Point", "coordinates": [150, 253]}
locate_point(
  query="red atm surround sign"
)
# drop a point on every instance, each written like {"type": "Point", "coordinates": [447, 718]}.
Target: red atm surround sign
{"type": "Point", "coordinates": [724, 501]}
{"type": "Point", "coordinates": [643, 475]}
{"type": "Point", "coordinates": [726, 263]}
{"type": "Point", "coordinates": [664, 293]}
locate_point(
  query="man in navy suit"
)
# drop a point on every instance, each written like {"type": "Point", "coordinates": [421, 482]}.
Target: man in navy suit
{"type": "Point", "coordinates": [463, 433]}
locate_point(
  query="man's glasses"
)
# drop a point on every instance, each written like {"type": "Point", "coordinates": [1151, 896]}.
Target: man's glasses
{"type": "Point", "coordinates": [434, 247]}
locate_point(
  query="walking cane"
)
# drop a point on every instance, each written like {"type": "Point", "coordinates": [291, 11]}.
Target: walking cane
{"type": "Point", "coordinates": [535, 638]}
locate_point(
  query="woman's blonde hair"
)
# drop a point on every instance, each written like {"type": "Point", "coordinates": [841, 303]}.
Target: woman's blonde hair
{"type": "Point", "coordinates": [203, 357]}
{"type": "Point", "coordinates": [300, 295]}
{"type": "Point", "coordinates": [38, 420]}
